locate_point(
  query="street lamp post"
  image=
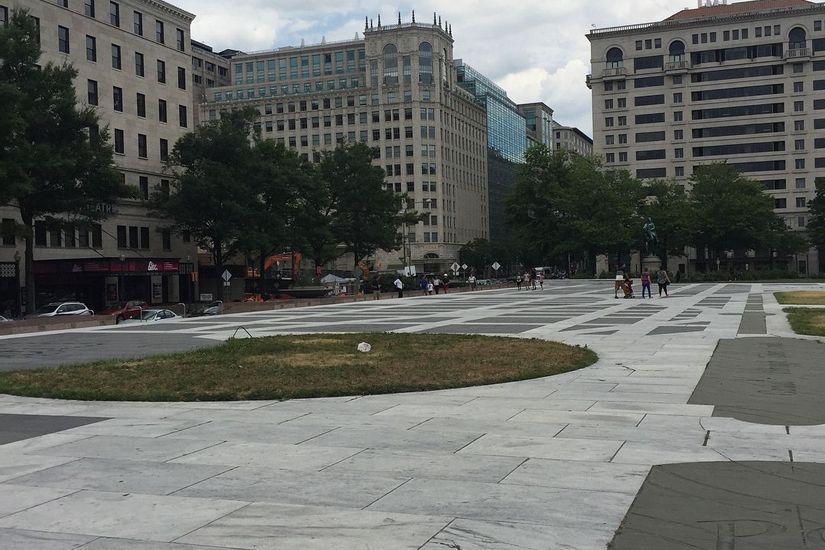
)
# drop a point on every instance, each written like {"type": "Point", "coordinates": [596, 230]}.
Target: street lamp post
{"type": "Point", "coordinates": [18, 297]}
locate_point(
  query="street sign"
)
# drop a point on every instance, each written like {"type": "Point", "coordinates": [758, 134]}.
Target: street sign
{"type": "Point", "coordinates": [455, 266]}
{"type": "Point", "coordinates": [464, 267]}
{"type": "Point", "coordinates": [496, 266]}
{"type": "Point", "coordinates": [227, 283]}
{"type": "Point", "coordinates": [226, 275]}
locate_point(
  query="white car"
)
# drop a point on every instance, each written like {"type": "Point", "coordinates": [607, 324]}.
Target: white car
{"type": "Point", "coordinates": [152, 316]}
{"type": "Point", "coordinates": [59, 309]}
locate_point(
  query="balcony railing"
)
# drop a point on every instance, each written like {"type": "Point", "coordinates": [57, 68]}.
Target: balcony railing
{"type": "Point", "coordinates": [614, 71]}
{"type": "Point", "coordinates": [797, 53]}
{"type": "Point", "coordinates": [677, 65]}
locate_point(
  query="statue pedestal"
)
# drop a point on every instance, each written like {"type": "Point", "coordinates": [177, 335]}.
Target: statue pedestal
{"type": "Point", "coordinates": [652, 263]}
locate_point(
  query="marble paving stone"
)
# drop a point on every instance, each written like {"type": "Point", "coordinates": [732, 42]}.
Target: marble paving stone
{"type": "Point", "coordinates": [626, 433]}
{"type": "Point", "coordinates": [638, 452]}
{"type": "Point", "coordinates": [129, 448]}
{"type": "Point", "coordinates": [122, 476]}
{"type": "Point", "coordinates": [552, 402]}
{"type": "Point", "coordinates": [401, 464]}
{"type": "Point", "coordinates": [658, 408]}
{"type": "Point", "coordinates": [465, 534]}
{"type": "Point", "coordinates": [14, 498]}
{"type": "Point", "coordinates": [483, 329]}
{"type": "Point", "coordinates": [429, 411]}
{"type": "Point", "coordinates": [143, 517]}
{"type": "Point", "coordinates": [16, 464]}
{"type": "Point", "coordinates": [348, 490]}
{"type": "Point", "coordinates": [350, 405]}
{"type": "Point", "coordinates": [285, 527]}
{"type": "Point", "coordinates": [499, 502]}
{"type": "Point", "coordinates": [390, 438]}
{"type": "Point", "coordinates": [36, 444]}
{"type": "Point", "coordinates": [16, 539]}
{"type": "Point", "coordinates": [589, 476]}
{"type": "Point", "coordinates": [599, 418]}
{"type": "Point", "coordinates": [525, 429]}
{"type": "Point", "coordinates": [261, 433]}
{"type": "Point", "coordinates": [105, 543]}
{"type": "Point", "coordinates": [361, 420]}
{"type": "Point", "coordinates": [270, 455]}
{"type": "Point", "coordinates": [134, 427]}
{"type": "Point", "coordinates": [541, 447]}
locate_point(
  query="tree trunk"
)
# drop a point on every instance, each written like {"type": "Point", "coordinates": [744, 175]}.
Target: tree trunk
{"type": "Point", "coordinates": [29, 261]}
{"type": "Point", "coordinates": [217, 253]}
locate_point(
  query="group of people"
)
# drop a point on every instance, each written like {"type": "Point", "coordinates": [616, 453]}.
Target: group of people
{"type": "Point", "coordinates": [531, 281]}
{"type": "Point", "coordinates": [428, 285]}
{"type": "Point", "coordinates": [625, 283]}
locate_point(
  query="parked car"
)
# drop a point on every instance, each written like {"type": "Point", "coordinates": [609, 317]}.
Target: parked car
{"type": "Point", "coordinates": [126, 310]}
{"type": "Point", "coordinates": [58, 309]}
{"type": "Point", "coordinates": [215, 308]}
{"type": "Point", "coordinates": [153, 315]}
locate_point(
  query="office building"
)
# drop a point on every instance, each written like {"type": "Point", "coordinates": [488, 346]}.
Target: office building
{"type": "Point", "coordinates": [133, 60]}
{"type": "Point", "coordinates": [740, 83]}
{"type": "Point", "coordinates": [572, 139]}
{"type": "Point", "coordinates": [396, 90]}
{"type": "Point", "coordinates": [539, 119]}
{"type": "Point", "coordinates": [209, 70]}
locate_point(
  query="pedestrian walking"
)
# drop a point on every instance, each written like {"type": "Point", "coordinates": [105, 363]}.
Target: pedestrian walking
{"type": "Point", "coordinates": [437, 284]}
{"type": "Point", "coordinates": [646, 283]}
{"type": "Point", "coordinates": [619, 281]}
{"type": "Point", "coordinates": [430, 287]}
{"type": "Point", "coordinates": [376, 289]}
{"type": "Point", "coordinates": [472, 280]}
{"type": "Point", "coordinates": [526, 280]}
{"type": "Point", "coordinates": [541, 281]}
{"type": "Point", "coordinates": [662, 280]}
{"type": "Point", "coordinates": [445, 283]}
{"type": "Point", "coordinates": [399, 286]}
{"type": "Point", "coordinates": [518, 282]}
{"type": "Point", "coordinates": [422, 284]}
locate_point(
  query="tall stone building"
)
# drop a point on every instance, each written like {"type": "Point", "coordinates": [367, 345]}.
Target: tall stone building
{"type": "Point", "coordinates": [740, 83]}
{"type": "Point", "coordinates": [571, 139]}
{"type": "Point", "coordinates": [539, 119]}
{"type": "Point", "coordinates": [133, 60]}
{"type": "Point", "coordinates": [395, 90]}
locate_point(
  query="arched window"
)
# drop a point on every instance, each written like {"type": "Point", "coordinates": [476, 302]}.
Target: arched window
{"type": "Point", "coordinates": [677, 50]}
{"type": "Point", "coordinates": [615, 58]}
{"type": "Point", "coordinates": [797, 38]}
{"type": "Point", "coordinates": [390, 65]}
{"type": "Point", "coordinates": [425, 63]}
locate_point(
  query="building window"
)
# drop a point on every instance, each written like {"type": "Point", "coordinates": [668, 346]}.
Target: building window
{"type": "Point", "coordinates": [677, 116]}
{"type": "Point", "coordinates": [91, 48]}
{"type": "Point", "coordinates": [117, 99]}
{"type": "Point", "coordinates": [800, 183]}
{"type": "Point", "coordinates": [121, 236]}
{"type": "Point", "coordinates": [798, 68]}
{"type": "Point", "coordinates": [677, 97]}
{"type": "Point", "coordinates": [62, 39]}
{"type": "Point", "coordinates": [91, 91]}
{"type": "Point", "coordinates": [623, 156]}
{"type": "Point", "coordinates": [159, 33]}
{"type": "Point", "coordinates": [608, 122]}
{"type": "Point", "coordinates": [166, 236]}
{"type": "Point", "coordinates": [114, 13]}
{"type": "Point", "coordinates": [622, 138]}
{"type": "Point", "coordinates": [678, 134]}
{"type": "Point", "coordinates": [141, 105]}
{"type": "Point", "coordinates": [161, 71]}
{"type": "Point", "coordinates": [138, 19]}
{"type": "Point", "coordinates": [140, 69]}
{"type": "Point", "coordinates": [162, 110]}
{"type": "Point", "coordinates": [677, 79]}
{"type": "Point", "coordinates": [142, 152]}
{"type": "Point", "coordinates": [181, 78]}
{"type": "Point", "coordinates": [638, 45]}
{"type": "Point", "coordinates": [798, 87]}
{"type": "Point", "coordinates": [608, 139]}
{"type": "Point", "coordinates": [780, 204]}
{"type": "Point", "coordinates": [610, 157]}
{"type": "Point", "coordinates": [180, 39]}
{"type": "Point", "coordinates": [119, 147]}
{"type": "Point", "coordinates": [116, 57]}
{"type": "Point", "coordinates": [134, 240]}
{"type": "Point", "coordinates": [164, 150]}
{"type": "Point", "coordinates": [89, 8]}
{"type": "Point", "coordinates": [679, 153]}
{"type": "Point", "coordinates": [144, 187]}
{"type": "Point", "coordinates": [182, 115]}
{"type": "Point", "coordinates": [680, 171]}
{"type": "Point", "coordinates": [799, 145]}
{"type": "Point", "coordinates": [144, 238]}
{"type": "Point", "coordinates": [799, 164]}
{"type": "Point", "coordinates": [801, 202]}
{"type": "Point", "coordinates": [622, 102]}
{"type": "Point", "coordinates": [798, 106]}
{"type": "Point", "coordinates": [8, 225]}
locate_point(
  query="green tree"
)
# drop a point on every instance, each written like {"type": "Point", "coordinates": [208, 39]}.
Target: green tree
{"type": "Point", "coordinates": [670, 210]}
{"type": "Point", "coordinates": [214, 192]}
{"type": "Point", "coordinates": [363, 215]}
{"type": "Point", "coordinates": [816, 224]}
{"type": "Point", "coordinates": [730, 212]}
{"type": "Point", "coordinates": [55, 161]}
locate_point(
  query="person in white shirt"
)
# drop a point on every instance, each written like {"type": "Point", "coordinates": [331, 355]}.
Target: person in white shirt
{"type": "Point", "coordinates": [399, 286]}
{"type": "Point", "coordinates": [472, 280]}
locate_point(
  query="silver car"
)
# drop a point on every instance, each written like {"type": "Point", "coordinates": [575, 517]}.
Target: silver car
{"type": "Point", "coordinates": [59, 309]}
{"type": "Point", "coordinates": [153, 315]}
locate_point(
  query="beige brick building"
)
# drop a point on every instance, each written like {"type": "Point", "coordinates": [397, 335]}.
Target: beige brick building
{"type": "Point", "coordinates": [741, 83]}
{"type": "Point", "coordinates": [395, 90]}
{"type": "Point", "coordinates": [572, 139]}
{"type": "Point", "coordinates": [133, 59]}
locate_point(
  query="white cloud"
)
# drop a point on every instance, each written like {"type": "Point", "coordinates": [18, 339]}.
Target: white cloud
{"type": "Point", "coordinates": [535, 49]}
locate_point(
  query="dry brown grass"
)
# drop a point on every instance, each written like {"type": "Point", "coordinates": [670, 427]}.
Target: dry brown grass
{"type": "Point", "coordinates": [283, 367]}
{"type": "Point", "coordinates": [807, 320]}
{"type": "Point", "coordinates": [801, 297]}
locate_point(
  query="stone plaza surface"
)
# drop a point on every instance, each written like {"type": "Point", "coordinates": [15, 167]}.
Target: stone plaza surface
{"type": "Point", "coordinates": [553, 463]}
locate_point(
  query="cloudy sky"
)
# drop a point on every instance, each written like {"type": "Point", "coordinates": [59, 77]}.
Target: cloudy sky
{"type": "Point", "coordinates": [535, 49]}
